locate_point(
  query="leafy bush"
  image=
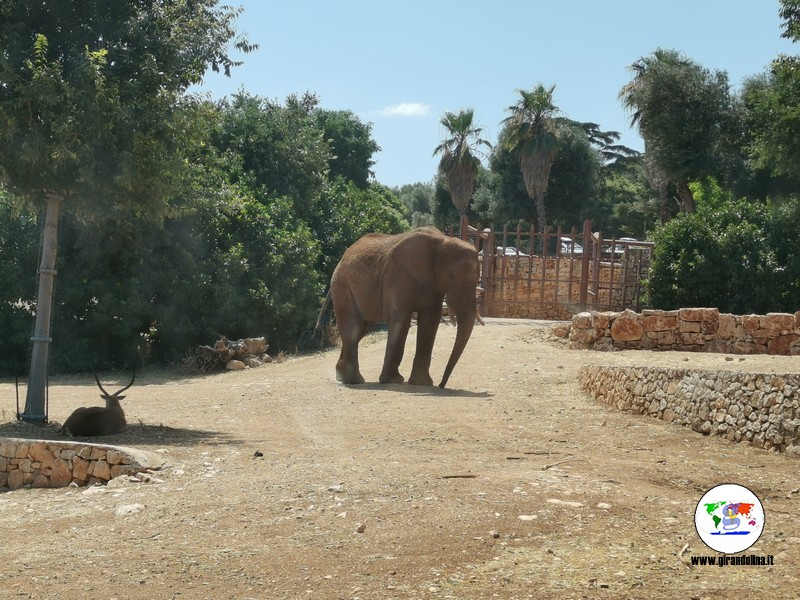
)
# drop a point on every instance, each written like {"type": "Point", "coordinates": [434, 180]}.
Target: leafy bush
{"type": "Point", "coordinates": [739, 257]}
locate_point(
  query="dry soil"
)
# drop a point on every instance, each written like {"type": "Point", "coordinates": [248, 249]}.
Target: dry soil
{"type": "Point", "coordinates": [511, 483]}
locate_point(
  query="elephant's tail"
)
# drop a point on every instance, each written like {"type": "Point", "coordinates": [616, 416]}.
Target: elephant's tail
{"type": "Point", "coordinates": [323, 310]}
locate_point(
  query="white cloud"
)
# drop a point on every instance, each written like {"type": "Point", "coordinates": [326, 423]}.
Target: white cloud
{"type": "Point", "coordinates": [406, 109]}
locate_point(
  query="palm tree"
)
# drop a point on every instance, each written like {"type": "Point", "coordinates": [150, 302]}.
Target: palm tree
{"type": "Point", "coordinates": [533, 130]}
{"type": "Point", "coordinates": [459, 164]}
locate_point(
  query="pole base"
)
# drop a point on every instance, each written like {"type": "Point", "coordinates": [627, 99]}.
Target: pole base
{"type": "Point", "coordinates": [33, 419]}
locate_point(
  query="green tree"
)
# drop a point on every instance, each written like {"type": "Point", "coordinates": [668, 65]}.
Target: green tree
{"type": "Point", "coordinates": [625, 204]}
{"type": "Point", "coordinates": [572, 180]}
{"type": "Point", "coordinates": [350, 212]}
{"type": "Point", "coordinates": [19, 229]}
{"type": "Point", "coordinates": [278, 147]}
{"type": "Point", "coordinates": [459, 163]}
{"type": "Point", "coordinates": [790, 13]}
{"type": "Point", "coordinates": [418, 200]}
{"type": "Point", "coordinates": [533, 133]}
{"type": "Point", "coordinates": [772, 108]}
{"type": "Point", "coordinates": [683, 112]}
{"type": "Point", "coordinates": [351, 145]}
{"type": "Point", "coordinates": [94, 113]}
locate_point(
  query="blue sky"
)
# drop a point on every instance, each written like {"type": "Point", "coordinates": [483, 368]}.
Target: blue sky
{"type": "Point", "coordinates": [401, 65]}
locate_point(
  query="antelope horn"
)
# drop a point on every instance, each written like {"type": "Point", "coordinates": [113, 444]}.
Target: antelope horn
{"type": "Point", "coordinates": [100, 385]}
{"type": "Point", "coordinates": [118, 392]}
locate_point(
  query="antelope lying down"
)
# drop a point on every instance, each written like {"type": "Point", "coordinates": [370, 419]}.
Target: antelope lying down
{"type": "Point", "coordinates": [98, 420]}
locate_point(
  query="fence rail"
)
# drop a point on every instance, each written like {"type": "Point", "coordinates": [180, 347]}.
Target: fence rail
{"type": "Point", "coordinates": [554, 275]}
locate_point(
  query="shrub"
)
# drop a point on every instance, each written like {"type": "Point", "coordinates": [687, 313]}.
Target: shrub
{"type": "Point", "coordinates": [725, 257]}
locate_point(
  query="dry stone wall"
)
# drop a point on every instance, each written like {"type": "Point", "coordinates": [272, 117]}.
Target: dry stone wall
{"type": "Point", "coordinates": [760, 409]}
{"type": "Point", "coordinates": [688, 329]}
{"type": "Point", "coordinates": [50, 464]}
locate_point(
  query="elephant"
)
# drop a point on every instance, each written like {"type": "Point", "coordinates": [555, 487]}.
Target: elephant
{"type": "Point", "coordinates": [385, 278]}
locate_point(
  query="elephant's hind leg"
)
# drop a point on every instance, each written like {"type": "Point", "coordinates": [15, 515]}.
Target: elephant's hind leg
{"type": "Point", "coordinates": [347, 368]}
{"type": "Point", "coordinates": [395, 345]}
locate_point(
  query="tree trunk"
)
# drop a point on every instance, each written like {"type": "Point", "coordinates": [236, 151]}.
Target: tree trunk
{"type": "Point", "coordinates": [687, 198]}
{"type": "Point", "coordinates": [35, 409]}
{"type": "Point", "coordinates": [541, 216]}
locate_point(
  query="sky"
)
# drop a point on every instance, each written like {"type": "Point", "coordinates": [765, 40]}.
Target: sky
{"type": "Point", "coordinates": [401, 65]}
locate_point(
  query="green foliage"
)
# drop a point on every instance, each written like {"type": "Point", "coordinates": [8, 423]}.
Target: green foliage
{"type": "Point", "coordinates": [625, 205]}
{"type": "Point", "coordinates": [91, 96]}
{"type": "Point", "coordinates": [19, 237]}
{"type": "Point", "coordinates": [772, 107]}
{"type": "Point", "coordinates": [710, 193]}
{"type": "Point", "coordinates": [254, 274]}
{"type": "Point", "coordinates": [736, 257]}
{"type": "Point", "coordinates": [782, 232]}
{"type": "Point", "coordinates": [573, 181]}
{"type": "Point", "coordinates": [352, 212]}
{"type": "Point", "coordinates": [460, 149]}
{"type": "Point", "coordinates": [790, 13]}
{"type": "Point", "coordinates": [280, 148]}
{"type": "Point", "coordinates": [351, 145]}
{"type": "Point", "coordinates": [418, 200]}
{"type": "Point", "coordinates": [683, 112]}
{"type": "Point", "coordinates": [233, 257]}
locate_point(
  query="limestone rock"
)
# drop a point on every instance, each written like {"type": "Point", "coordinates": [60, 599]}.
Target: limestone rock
{"type": "Point", "coordinates": [627, 327]}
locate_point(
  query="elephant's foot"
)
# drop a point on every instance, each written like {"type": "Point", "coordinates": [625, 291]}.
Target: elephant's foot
{"type": "Point", "coordinates": [348, 376]}
{"type": "Point", "coordinates": [357, 379]}
{"type": "Point", "coordinates": [420, 378]}
{"type": "Point", "coordinates": [394, 377]}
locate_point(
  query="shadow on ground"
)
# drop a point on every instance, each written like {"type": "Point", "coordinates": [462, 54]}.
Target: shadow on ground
{"type": "Point", "coordinates": [139, 434]}
{"type": "Point", "coordinates": [417, 390]}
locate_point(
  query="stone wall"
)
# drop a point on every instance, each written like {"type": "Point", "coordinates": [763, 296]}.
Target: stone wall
{"type": "Point", "coordinates": [756, 408]}
{"type": "Point", "coordinates": [688, 329]}
{"type": "Point", "coordinates": [42, 463]}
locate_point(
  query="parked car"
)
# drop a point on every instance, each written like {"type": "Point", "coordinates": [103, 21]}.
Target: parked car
{"type": "Point", "coordinates": [620, 248]}
{"type": "Point", "coordinates": [508, 251]}
{"type": "Point", "coordinates": [570, 247]}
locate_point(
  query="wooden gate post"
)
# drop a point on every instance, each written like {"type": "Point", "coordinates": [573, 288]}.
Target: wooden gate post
{"type": "Point", "coordinates": [487, 269]}
{"type": "Point", "coordinates": [584, 287]}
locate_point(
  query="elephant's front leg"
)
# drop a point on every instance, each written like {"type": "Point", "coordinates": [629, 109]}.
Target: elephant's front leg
{"type": "Point", "coordinates": [395, 345]}
{"type": "Point", "coordinates": [427, 326]}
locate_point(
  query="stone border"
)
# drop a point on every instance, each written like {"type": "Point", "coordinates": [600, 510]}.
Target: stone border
{"type": "Point", "coordinates": [688, 329]}
{"type": "Point", "coordinates": [756, 408]}
{"type": "Point", "coordinates": [51, 464]}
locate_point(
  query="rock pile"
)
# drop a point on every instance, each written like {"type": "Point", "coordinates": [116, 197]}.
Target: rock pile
{"type": "Point", "coordinates": [230, 355]}
{"type": "Point", "coordinates": [757, 408]}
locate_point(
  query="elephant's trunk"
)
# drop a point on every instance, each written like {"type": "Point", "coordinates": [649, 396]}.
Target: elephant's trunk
{"type": "Point", "coordinates": [466, 322]}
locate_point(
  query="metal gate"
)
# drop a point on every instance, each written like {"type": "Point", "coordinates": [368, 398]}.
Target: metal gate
{"type": "Point", "coordinates": [525, 273]}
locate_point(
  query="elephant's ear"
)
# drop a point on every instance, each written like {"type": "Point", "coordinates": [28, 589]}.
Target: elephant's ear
{"type": "Point", "coordinates": [456, 264]}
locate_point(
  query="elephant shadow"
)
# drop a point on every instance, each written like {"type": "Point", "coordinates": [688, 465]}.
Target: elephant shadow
{"type": "Point", "coordinates": [419, 390]}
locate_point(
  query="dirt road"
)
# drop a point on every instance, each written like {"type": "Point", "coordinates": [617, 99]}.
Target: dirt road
{"type": "Point", "coordinates": [513, 483]}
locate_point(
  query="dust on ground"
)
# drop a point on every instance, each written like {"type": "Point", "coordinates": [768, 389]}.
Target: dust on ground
{"type": "Point", "coordinates": [511, 483]}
